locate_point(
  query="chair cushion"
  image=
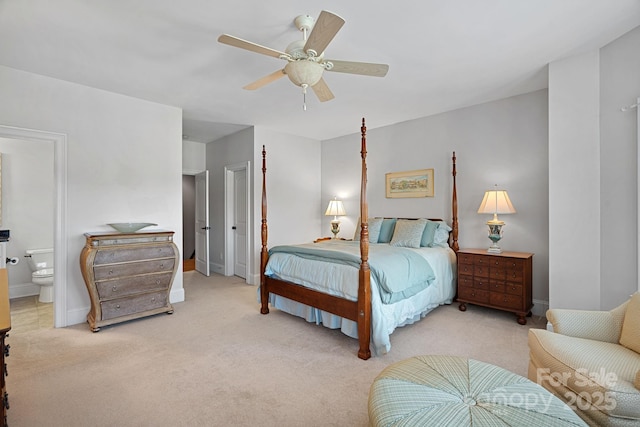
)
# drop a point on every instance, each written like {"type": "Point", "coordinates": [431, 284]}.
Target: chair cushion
{"type": "Point", "coordinates": [630, 335]}
{"type": "Point", "coordinates": [454, 391]}
{"type": "Point", "coordinates": [599, 371]}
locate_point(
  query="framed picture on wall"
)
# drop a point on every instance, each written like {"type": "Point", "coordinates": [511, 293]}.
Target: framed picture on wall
{"type": "Point", "coordinates": [417, 183]}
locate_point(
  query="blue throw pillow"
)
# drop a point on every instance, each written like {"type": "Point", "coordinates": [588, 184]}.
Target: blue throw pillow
{"type": "Point", "coordinates": [375, 224]}
{"type": "Point", "coordinates": [386, 230]}
{"type": "Point", "coordinates": [429, 233]}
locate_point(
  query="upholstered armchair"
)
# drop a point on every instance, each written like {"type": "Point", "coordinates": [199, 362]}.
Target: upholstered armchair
{"type": "Point", "coordinates": [591, 361]}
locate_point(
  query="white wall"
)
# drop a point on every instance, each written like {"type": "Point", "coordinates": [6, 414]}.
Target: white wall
{"type": "Point", "coordinates": [574, 171]}
{"type": "Point", "coordinates": [27, 205]}
{"type": "Point", "coordinates": [502, 142]}
{"type": "Point", "coordinates": [193, 157]}
{"type": "Point", "coordinates": [123, 162]}
{"type": "Point", "coordinates": [294, 205]}
{"type": "Point", "coordinates": [593, 167]}
{"type": "Point", "coordinates": [619, 87]}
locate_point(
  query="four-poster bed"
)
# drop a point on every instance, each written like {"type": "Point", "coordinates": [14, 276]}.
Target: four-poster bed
{"type": "Point", "coordinates": [349, 291]}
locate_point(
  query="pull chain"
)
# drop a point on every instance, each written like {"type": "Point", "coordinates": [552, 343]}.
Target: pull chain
{"type": "Point", "coordinates": [304, 97]}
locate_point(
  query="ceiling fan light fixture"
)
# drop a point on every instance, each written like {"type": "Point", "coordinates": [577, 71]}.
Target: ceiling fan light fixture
{"type": "Point", "coordinates": [304, 72]}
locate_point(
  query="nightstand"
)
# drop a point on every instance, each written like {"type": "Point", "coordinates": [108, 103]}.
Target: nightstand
{"type": "Point", "coordinates": [323, 239]}
{"type": "Point", "coordinates": [502, 281]}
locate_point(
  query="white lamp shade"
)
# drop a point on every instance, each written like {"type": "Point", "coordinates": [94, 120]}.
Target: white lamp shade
{"type": "Point", "coordinates": [335, 208]}
{"type": "Point", "coordinates": [496, 202]}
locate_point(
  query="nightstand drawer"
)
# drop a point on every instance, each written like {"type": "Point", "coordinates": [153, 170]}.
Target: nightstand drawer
{"type": "Point", "coordinates": [506, 300]}
{"type": "Point", "coordinates": [506, 263]}
{"type": "Point", "coordinates": [465, 281]}
{"type": "Point", "coordinates": [473, 295]}
{"type": "Point", "coordinates": [465, 259]}
{"type": "Point", "coordinates": [481, 270]}
{"type": "Point", "coordinates": [515, 275]}
{"type": "Point", "coordinates": [513, 289]}
{"type": "Point", "coordinates": [481, 283]}
{"type": "Point", "coordinates": [465, 269]}
{"type": "Point", "coordinates": [497, 286]}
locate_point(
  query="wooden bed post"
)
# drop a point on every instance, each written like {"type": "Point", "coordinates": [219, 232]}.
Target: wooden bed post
{"type": "Point", "coordinates": [264, 254]}
{"type": "Point", "coordinates": [454, 209]}
{"type": "Point", "coordinates": [364, 284]}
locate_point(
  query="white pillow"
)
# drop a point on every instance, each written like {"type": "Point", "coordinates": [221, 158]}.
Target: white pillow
{"type": "Point", "coordinates": [408, 233]}
{"type": "Point", "coordinates": [441, 236]}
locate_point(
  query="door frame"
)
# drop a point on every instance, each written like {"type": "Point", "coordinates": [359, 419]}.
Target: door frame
{"type": "Point", "coordinates": [229, 195]}
{"type": "Point", "coordinates": [59, 140]}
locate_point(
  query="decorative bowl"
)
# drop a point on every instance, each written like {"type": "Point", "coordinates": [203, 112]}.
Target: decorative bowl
{"type": "Point", "coordinates": [130, 227]}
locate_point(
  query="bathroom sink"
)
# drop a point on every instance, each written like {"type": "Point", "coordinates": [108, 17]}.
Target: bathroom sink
{"type": "Point", "coordinates": [130, 227]}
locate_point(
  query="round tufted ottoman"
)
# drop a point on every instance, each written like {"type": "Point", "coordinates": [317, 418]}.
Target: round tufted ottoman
{"type": "Point", "coordinates": [454, 391]}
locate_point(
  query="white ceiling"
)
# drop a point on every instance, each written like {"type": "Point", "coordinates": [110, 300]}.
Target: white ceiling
{"type": "Point", "coordinates": [443, 54]}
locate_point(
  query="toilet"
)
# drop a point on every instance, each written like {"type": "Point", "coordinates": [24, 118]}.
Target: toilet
{"type": "Point", "coordinates": [41, 263]}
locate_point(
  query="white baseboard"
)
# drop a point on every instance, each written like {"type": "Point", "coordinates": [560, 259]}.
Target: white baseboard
{"type": "Point", "coordinates": [253, 279]}
{"type": "Point", "coordinates": [77, 316]}
{"type": "Point", "coordinates": [176, 295]}
{"type": "Point", "coordinates": [23, 290]}
{"type": "Point", "coordinates": [540, 307]}
{"type": "Point", "coordinates": [217, 268]}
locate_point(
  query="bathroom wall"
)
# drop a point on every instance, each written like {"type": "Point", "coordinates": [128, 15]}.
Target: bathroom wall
{"type": "Point", "coordinates": [27, 205]}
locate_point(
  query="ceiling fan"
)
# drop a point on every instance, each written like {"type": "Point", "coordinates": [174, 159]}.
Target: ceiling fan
{"type": "Point", "coordinates": [305, 58]}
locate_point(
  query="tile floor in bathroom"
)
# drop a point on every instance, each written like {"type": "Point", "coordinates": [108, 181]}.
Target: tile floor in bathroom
{"type": "Point", "coordinates": [28, 314]}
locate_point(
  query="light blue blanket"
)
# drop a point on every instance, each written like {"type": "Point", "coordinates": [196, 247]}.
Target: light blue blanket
{"type": "Point", "coordinates": [399, 272]}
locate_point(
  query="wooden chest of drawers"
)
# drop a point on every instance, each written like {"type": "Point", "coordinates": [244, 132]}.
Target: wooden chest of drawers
{"type": "Point", "coordinates": [5, 327]}
{"type": "Point", "coordinates": [128, 275]}
{"type": "Point", "coordinates": [501, 281]}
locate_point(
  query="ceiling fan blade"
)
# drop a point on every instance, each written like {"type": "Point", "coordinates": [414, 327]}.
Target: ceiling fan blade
{"type": "Point", "coordinates": [324, 30]}
{"type": "Point", "coordinates": [253, 47]}
{"type": "Point", "coordinates": [265, 80]}
{"type": "Point", "coordinates": [322, 91]}
{"type": "Point", "coordinates": [364, 68]}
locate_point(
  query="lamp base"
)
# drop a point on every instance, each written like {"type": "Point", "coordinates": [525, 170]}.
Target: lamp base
{"type": "Point", "coordinates": [495, 234]}
{"type": "Point", "coordinates": [335, 228]}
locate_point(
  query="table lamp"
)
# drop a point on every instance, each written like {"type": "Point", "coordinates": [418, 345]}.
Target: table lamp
{"type": "Point", "coordinates": [335, 208]}
{"type": "Point", "coordinates": [495, 202]}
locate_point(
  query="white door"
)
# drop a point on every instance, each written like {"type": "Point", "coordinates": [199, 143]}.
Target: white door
{"type": "Point", "coordinates": [202, 223]}
{"type": "Point", "coordinates": [240, 223]}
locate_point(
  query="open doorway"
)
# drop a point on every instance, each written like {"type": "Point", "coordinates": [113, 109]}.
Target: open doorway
{"type": "Point", "coordinates": [188, 222]}
{"type": "Point", "coordinates": [59, 142]}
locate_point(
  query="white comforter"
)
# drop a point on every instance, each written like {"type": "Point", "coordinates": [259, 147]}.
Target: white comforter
{"type": "Point", "coordinates": [342, 280]}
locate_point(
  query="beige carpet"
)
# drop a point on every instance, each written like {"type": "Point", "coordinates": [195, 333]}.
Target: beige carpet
{"type": "Point", "coordinates": [218, 362]}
